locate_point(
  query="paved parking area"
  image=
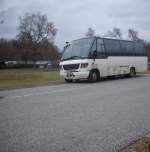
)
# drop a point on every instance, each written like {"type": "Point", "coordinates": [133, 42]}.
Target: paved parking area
{"type": "Point", "coordinates": [76, 117]}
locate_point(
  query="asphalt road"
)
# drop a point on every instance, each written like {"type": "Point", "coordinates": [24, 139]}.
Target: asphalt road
{"type": "Point", "coordinates": [76, 117]}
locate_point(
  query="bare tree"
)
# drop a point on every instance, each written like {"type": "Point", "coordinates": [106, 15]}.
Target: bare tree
{"type": "Point", "coordinates": [109, 34]}
{"type": "Point", "coordinates": [90, 32]}
{"type": "Point", "coordinates": [116, 33]}
{"type": "Point", "coordinates": [133, 35]}
{"type": "Point", "coordinates": [8, 50]}
{"type": "Point", "coordinates": [12, 50]}
{"type": "Point", "coordinates": [34, 30]}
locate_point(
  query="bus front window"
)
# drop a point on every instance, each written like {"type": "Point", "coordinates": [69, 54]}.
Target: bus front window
{"type": "Point", "coordinates": [78, 49]}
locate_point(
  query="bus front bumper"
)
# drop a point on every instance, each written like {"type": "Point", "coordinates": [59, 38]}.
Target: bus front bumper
{"type": "Point", "coordinates": [74, 75]}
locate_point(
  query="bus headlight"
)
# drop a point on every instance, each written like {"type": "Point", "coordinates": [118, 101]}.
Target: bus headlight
{"type": "Point", "coordinates": [84, 65]}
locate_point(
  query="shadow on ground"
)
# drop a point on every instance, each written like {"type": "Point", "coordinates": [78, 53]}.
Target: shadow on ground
{"type": "Point", "coordinates": [110, 78]}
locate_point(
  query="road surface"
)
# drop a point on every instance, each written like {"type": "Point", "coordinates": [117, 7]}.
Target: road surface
{"type": "Point", "coordinates": [76, 117]}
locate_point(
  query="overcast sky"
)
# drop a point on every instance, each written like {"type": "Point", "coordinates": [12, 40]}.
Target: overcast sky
{"type": "Point", "coordinates": [73, 17]}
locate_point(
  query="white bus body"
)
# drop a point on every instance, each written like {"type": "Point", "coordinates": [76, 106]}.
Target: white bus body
{"type": "Point", "coordinates": [101, 58]}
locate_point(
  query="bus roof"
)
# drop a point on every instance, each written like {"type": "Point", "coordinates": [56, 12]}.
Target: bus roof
{"type": "Point", "coordinates": [109, 38]}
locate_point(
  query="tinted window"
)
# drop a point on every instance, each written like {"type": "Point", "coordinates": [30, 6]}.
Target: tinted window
{"type": "Point", "coordinates": [108, 46]}
{"type": "Point", "coordinates": [117, 47]}
{"type": "Point", "coordinates": [123, 47]}
{"type": "Point", "coordinates": [139, 48]}
{"type": "Point", "coordinates": [100, 45]}
{"type": "Point", "coordinates": [100, 48]}
{"type": "Point", "coordinates": [130, 48]}
{"type": "Point", "coordinates": [112, 47]}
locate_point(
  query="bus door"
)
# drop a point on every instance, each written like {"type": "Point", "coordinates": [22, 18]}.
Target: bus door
{"type": "Point", "coordinates": [101, 59]}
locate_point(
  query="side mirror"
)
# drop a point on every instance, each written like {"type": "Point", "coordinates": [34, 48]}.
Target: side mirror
{"type": "Point", "coordinates": [66, 46]}
{"type": "Point", "coordinates": [94, 54]}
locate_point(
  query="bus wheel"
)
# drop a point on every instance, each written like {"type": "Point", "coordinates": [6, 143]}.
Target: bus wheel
{"type": "Point", "coordinates": [132, 72]}
{"type": "Point", "coordinates": [93, 76]}
{"type": "Point", "coordinates": [68, 80]}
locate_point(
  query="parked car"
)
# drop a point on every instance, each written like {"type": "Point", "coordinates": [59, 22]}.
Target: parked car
{"type": "Point", "coordinates": [11, 62]}
{"type": "Point", "coordinates": [43, 64]}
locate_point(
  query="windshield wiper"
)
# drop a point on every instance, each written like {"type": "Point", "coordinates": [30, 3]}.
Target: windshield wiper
{"type": "Point", "coordinates": [74, 57]}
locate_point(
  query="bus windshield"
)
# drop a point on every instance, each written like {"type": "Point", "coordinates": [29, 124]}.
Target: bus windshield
{"type": "Point", "coordinates": [79, 49]}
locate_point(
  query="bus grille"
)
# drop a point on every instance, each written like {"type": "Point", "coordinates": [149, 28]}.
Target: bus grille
{"type": "Point", "coordinates": [71, 66]}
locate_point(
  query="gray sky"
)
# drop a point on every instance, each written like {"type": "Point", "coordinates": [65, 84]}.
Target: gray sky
{"type": "Point", "coordinates": [73, 17]}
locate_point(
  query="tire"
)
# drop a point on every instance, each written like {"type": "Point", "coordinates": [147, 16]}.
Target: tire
{"type": "Point", "coordinates": [132, 72]}
{"type": "Point", "coordinates": [93, 76]}
{"type": "Point", "coordinates": [68, 80]}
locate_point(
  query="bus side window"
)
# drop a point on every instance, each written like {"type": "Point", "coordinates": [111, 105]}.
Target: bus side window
{"type": "Point", "coordinates": [130, 48]}
{"type": "Point", "coordinates": [139, 49]}
{"type": "Point", "coordinates": [112, 47]}
{"type": "Point", "coordinates": [123, 48]}
{"type": "Point", "coordinates": [100, 49]}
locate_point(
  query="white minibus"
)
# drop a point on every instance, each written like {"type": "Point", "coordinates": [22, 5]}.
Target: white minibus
{"type": "Point", "coordinates": [94, 57]}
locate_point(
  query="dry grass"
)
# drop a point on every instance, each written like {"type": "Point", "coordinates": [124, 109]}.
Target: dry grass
{"type": "Point", "coordinates": [16, 78]}
{"type": "Point", "coordinates": [142, 145]}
